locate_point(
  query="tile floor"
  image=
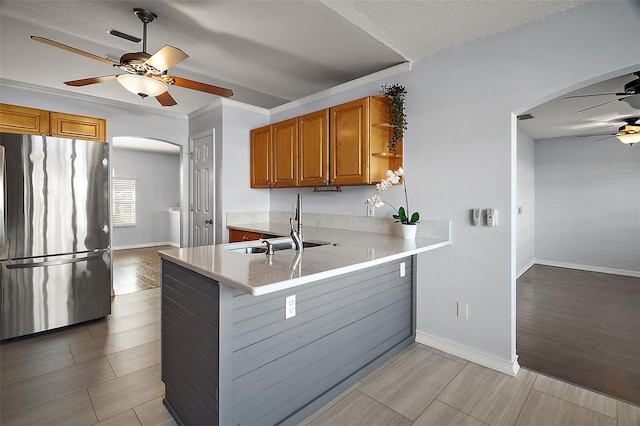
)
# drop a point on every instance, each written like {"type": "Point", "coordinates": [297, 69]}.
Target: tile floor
{"type": "Point", "coordinates": [107, 372]}
{"type": "Point", "coordinates": [136, 269]}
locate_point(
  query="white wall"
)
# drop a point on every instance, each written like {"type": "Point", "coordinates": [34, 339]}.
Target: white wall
{"type": "Point", "coordinates": [459, 154]}
{"type": "Point", "coordinates": [588, 203]}
{"type": "Point", "coordinates": [232, 122]}
{"type": "Point", "coordinates": [526, 201]}
{"type": "Point", "coordinates": [157, 188]}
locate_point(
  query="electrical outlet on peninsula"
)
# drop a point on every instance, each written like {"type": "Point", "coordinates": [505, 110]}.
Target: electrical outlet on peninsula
{"type": "Point", "coordinates": [290, 306]}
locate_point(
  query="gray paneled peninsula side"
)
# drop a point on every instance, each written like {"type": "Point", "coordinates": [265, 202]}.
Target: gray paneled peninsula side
{"type": "Point", "coordinates": [229, 356]}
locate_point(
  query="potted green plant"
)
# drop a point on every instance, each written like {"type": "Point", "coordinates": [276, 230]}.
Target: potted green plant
{"type": "Point", "coordinates": [409, 223]}
{"type": "Point", "coordinates": [395, 94]}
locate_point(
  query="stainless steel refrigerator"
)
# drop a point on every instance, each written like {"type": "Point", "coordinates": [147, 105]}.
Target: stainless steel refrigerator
{"type": "Point", "coordinates": [55, 255]}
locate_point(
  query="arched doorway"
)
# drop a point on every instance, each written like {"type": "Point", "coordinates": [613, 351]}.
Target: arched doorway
{"type": "Point", "coordinates": [146, 191]}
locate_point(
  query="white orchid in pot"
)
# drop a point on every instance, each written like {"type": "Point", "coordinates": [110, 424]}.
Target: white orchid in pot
{"type": "Point", "coordinates": [402, 213]}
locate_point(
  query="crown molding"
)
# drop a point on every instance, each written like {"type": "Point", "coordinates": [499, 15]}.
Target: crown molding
{"type": "Point", "coordinates": [88, 98]}
{"type": "Point", "coordinates": [228, 102]}
{"type": "Point", "coordinates": [358, 82]}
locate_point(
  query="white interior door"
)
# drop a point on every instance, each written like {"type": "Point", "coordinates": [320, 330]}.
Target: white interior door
{"type": "Point", "coordinates": [202, 189]}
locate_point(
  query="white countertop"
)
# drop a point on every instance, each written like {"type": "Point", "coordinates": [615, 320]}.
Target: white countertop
{"type": "Point", "coordinates": [258, 274]}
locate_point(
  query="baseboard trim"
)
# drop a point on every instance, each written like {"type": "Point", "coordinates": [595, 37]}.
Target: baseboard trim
{"type": "Point", "coordinates": [589, 268]}
{"type": "Point", "coordinates": [146, 245]}
{"type": "Point", "coordinates": [489, 361]}
{"type": "Point", "coordinates": [525, 268]}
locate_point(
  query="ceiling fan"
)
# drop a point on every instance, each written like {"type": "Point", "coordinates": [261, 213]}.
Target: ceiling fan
{"type": "Point", "coordinates": [630, 95]}
{"type": "Point", "coordinates": [146, 75]}
{"type": "Point", "coordinates": [628, 134]}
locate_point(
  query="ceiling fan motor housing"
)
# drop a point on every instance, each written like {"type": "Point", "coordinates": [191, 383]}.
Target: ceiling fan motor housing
{"type": "Point", "coordinates": [144, 15]}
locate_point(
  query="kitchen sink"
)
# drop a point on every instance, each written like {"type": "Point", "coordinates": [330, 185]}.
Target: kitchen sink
{"type": "Point", "coordinates": [260, 247]}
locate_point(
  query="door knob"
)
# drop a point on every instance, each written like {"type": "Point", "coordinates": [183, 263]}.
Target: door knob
{"type": "Point", "coordinates": [209, 221]}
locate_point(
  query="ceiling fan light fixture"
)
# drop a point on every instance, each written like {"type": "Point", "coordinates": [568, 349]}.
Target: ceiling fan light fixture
{"type": "Point", "coordinates": [629, 134]}
{"type": "Point", "coordinates": [141, 85]}
{"type": "Point", "coordinates": [628, 138]}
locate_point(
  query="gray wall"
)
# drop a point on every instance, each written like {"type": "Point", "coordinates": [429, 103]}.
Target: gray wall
{"type": "Point", "coordinates": [588, 203]}
{"type": "Point", "coordinates": [476, 88]}
{"type": "Point", "coordinates": [157, 188]}
{"type": "Point", "coordinates": [526, 200]}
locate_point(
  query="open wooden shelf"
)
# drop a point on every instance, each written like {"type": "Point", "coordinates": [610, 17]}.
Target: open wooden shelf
{"type": "Point", "coordinates": [386, 155]}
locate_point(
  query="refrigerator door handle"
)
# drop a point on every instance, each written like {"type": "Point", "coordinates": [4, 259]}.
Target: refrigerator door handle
{"type": "Point", "coordinates": [53, 262]}
{"type": "Point", "coordinates": [3, 198]}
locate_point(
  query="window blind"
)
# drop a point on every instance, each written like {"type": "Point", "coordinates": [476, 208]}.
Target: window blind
{"type": "Point", "coordinates": [124, 202]}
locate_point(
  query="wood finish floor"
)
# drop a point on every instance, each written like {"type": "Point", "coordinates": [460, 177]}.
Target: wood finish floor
{"type": "Point", "coordinates": [582, 327]}
{"type": "Point", "coordinates": [107, 372]}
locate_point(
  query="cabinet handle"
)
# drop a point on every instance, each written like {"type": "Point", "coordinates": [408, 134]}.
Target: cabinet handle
{"type": "Point", "coordinates": [245, 238]}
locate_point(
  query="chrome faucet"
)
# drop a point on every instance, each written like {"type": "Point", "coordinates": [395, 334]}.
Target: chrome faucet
{"type": "Point", "coordinates": [296, 232]}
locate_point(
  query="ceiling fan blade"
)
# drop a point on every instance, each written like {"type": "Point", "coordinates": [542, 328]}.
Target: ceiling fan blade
{"type": "Point", "coordinates": [166, 57]}
{"type": "Point", "coordinates": [603, 103]}
{"type": "Point", "coordinates": [594, 94]}
{"type": "Point", "coordinates": [594, 134]}
{"type": "Point", "coordinates": [92, 80]}
{"type": "Point", "coordinates": [166, 99]}
{"type": "Point", "coordinates": [203, 87]}
{"type": "Point", "coordinates": [73, 50]}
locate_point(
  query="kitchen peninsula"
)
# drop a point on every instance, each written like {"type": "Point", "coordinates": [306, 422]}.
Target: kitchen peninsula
{"type": "Point", "coordinates": [230, 357]}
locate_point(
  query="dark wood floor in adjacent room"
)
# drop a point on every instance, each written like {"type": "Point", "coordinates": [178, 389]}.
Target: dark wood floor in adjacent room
{"type": "Point", "coordinates": [582, 327]}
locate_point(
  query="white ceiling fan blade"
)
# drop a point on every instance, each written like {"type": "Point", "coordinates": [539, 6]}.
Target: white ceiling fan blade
{"type": "Point", "coordinates": [166, 57]}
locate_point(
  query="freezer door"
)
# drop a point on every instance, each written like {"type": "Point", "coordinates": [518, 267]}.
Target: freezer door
{"type": "Point", "coordinates": [56, 196]}
{"type": "Point", "coordinates": [51, 292]}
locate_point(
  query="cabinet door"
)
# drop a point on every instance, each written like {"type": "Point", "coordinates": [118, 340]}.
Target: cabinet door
{"type": "Point", "coordinates": [314, 149]}
{"type": "Point", "coordinates": [236, 235]}
{"type": "Point", "coordinates": [349, 143]}
{"type": "Point", "coordinates": [17, 119]}
{"type": "Point", "coordinates": [285, 153]}
{"type": "Point", "coordinates": [78, 127]}
{"type": "Point", "coordinates": [261, 157]}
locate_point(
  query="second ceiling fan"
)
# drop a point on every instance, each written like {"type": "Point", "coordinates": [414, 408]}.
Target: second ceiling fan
{"type": "Point", "coordinates": [146, 75]}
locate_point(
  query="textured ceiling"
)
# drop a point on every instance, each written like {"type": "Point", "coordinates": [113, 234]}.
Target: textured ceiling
{"type": "Point", "coordinates": [416, 29]}
{"type": "Point", "coordinates": [267, 52]}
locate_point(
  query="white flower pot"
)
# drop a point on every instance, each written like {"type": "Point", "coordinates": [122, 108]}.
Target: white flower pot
{"type": "Point", "coordinates": [409, 231]}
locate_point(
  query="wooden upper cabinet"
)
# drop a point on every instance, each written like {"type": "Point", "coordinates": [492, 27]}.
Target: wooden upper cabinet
{"type": "Point", "coordinates": [313, 145]}
{"type": "Point", "coordinates": [78, 127]}
{"type": "Point", "coordinates": [349, 143]}
{"type": "Point", "coordinates": [342, 145]}
{"type": "Point", "coordinates": [17, 119]}
{"type": "Point", "coordinates": [285, 153]}
{"type": "Point", "coordinates": [261, 157]}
